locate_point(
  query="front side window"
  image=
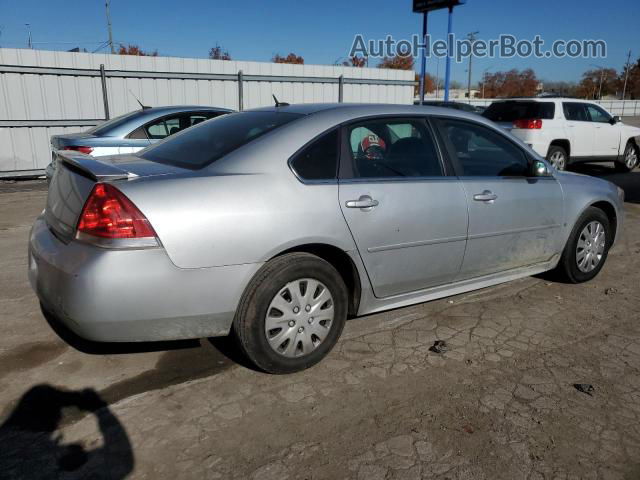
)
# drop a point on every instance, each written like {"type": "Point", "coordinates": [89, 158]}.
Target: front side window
{"type": "Point", "coordinates": [393, 148]}
{"type": "Point", "coordinates": [319, 160]}
{"type": "Point", "coordinates": [575, 112]}
{"type": "Point", "coordinates": [598, 115]}
{"type": "Point", "coordinates": [203, 144]}
{"type": "Point", "coordinates": [481, 152]}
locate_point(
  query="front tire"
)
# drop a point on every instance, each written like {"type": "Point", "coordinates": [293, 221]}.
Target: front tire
{"type": "Point", "coordinates": [558, 157]}
{"type": "Point", "coordinates": [292, 313]}
{"type": "Point", "coordinates": [587, 247]}
{"type": "Point", "coordinates": [629, 159]}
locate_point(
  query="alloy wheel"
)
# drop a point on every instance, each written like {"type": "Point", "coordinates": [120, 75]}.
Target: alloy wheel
{"type": "Point", "coordinates": [558, 160]}
{"type": "Point", "coordinates": [591, 245]}
{"type": "Point", "coordinates": [631, 157]}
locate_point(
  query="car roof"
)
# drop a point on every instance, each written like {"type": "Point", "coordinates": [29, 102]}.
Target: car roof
{"type": "Point", "coordinates": [137, 118]}
{"type": "Point", "coordinates": [542, 99]}
{"type": "Point", "coordinates": [327, 115]}
{"type": "Point", "coordinates": [356, 110]}
{"type": "Point", "coordinates": [155, 112]}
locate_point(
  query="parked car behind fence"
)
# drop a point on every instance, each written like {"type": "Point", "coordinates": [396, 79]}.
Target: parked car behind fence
{"type": "Point", "coordinates": [133, 131]}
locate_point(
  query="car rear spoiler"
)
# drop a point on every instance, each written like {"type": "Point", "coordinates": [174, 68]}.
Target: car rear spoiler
{"type": "Point", "coordinates": [91, 167]}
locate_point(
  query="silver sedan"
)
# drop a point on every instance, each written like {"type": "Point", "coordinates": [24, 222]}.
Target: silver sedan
{"type": "Point", "coordinates": [275, 225]}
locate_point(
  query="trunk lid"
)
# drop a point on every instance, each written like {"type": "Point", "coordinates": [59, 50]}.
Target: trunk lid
{"type": "Point", "coordinates": [63, 140]}
{"type": "Point", "coordinates": [74, 178]}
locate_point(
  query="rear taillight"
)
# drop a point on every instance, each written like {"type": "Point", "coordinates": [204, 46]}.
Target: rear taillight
{"type": "Point", "coordinates": [78, 148]}
{"type": "Point", "coordinates": [528, 124]}
{"type": "Point", "coordinates": [109, 215]}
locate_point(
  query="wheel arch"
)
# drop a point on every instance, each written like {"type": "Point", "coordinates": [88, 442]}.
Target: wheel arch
{"type": "Point", "coordinates": [342, 262]}
{"type": "Point", "coordinates": [561, 142]}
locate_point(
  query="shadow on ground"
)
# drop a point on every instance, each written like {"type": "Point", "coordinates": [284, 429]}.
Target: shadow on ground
{"type": "Point", "coordinates": [179, 362]}
{"type": "Point", "coordinates": [33, 447]}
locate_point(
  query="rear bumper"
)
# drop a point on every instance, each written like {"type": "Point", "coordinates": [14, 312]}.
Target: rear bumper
{"type": "Point", "coordinates": [131, 295]}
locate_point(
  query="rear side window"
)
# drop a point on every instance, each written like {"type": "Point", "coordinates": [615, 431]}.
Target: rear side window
{"type": "Point", "coordinates": [576, 112]}
{"type": "Point", "coordinates": [319, 160]}
{"type": "Point", "coordinates": [512, 111]}
{"type": "Point", "coordinates": [393, 148]}
{"type": "Point", "coordinates": [205, 143]}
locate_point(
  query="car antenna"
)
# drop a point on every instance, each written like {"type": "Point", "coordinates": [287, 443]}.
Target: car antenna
{"type": "Point", "coordinates": [279, 104]}
{"type": "Point", "coordinates": [144, 107]}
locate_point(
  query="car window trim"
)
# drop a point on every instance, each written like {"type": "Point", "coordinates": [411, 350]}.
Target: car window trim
{"type": "Point", "coordinates": [453, 157]}
{"type": "Point", "coordinates": [346, 170]}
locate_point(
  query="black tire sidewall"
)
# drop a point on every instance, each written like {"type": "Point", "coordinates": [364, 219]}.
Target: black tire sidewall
{"type": "Point", "coordinates": [251, 319]}
{"type": "Point", "coordinates": [568, 261]}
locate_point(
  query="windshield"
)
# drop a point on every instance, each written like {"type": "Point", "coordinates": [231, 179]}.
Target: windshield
{"type": "Point", "coordinates": [511, 111]}
{"type": "Point", "coordinates": [109, 124]}
{"type": "Point", "coordinates": [199, 146]}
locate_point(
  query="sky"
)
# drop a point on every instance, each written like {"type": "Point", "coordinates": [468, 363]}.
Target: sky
{"type": "Point", "coordinates": [323, 32]}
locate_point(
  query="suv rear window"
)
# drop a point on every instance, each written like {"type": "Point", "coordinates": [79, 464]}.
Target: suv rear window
{"type": "Point", "coordinates": [511, 111]}
{"type": "Point", "coordinates": [203, 144]}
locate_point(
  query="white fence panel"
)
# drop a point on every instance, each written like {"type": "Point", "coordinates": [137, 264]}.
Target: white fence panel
{"type": "Point", "coordinates": [44, 93]}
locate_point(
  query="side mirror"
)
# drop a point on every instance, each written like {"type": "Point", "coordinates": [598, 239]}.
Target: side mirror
{"type": "Point", "coordinates": [615, 119]}
{"type": "Point", "coordinates": [539, 169]}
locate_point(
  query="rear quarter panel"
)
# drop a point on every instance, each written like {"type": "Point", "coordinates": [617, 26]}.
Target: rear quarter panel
{"type": "Point", "coordinates": [245, 210]}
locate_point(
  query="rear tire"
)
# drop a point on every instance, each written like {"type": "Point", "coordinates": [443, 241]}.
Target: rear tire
{"type": "Point", "coordinates": [558, 157]}
{"type": "Point", "coordinates": [629, 159]}
{"type": "Point", "coordinates": [281, 325]}
{"type": "Point", "coordinates": [584, 256]}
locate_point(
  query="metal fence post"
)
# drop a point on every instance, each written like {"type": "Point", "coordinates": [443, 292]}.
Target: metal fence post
{"type": "Point", "coordinates": [105, 97]}
{"type": "Point", "coordinates": [340, 88]}
{"type": "Point", "coordinates": [240, 92]}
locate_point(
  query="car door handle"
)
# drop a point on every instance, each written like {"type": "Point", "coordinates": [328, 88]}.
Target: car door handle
{"type": "Point", "coordinates": [486, 196]}
{"type": "Point", "coordinates": [365, 201]}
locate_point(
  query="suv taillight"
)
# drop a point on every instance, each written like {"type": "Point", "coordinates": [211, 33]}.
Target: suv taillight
{"type": "Point", "coordinates": [109, 214]}
{"type": "Point", "coordinates": [78, 148]}
{"type": "Point", "coordinates": [528, 124]}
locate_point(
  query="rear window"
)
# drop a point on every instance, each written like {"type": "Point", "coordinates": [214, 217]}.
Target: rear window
{"type": "Point", "coordinates": [110, 124]}
{"type": "Point", "coordinates": [511, 111]}
{"type": "Point", "coordinates": [203, 144]}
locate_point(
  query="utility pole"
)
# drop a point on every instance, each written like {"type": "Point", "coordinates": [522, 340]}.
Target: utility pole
{"type": "Point", "coordinates": [472, 38]}
{"type": "Point", "coordinates": [29, 42]}
{"type": "Point", "coordinates": [626, 76]}
{"type": "Point", "coordinates": [601, 80]}
{"type": "Point", "coordinates": [484, 78]}
{"type": "Point", "coordinates": [109, 26]}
